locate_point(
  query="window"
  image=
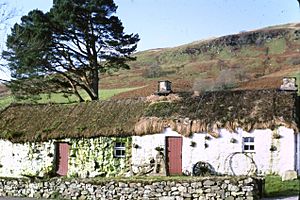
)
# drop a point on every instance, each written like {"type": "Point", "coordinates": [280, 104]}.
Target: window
{"type": "Point", "coordinates": [248, 144]}
{"type": "Point", "coordinates": [119, 150]}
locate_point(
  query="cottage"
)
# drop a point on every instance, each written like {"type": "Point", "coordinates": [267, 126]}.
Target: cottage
{"type": "Point", "coordinates": [228, 132]}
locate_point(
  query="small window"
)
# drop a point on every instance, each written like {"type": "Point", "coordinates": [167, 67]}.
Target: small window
{"type": "Point", "coordinates": [248, 144]}
{"type": "Point", "coordinates": [119, 150]}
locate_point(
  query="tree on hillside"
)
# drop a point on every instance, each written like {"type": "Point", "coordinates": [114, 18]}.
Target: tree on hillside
{"type": "Point", "coordinates": [66, 49]}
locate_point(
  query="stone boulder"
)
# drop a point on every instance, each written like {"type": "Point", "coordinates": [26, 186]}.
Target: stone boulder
{"type": "Point", "coordinates": [289, 175]}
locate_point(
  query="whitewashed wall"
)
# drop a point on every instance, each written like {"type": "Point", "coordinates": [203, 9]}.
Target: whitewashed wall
{"type": "Point", "coordinates": [37, 159]}
{"type": "Point", "coordinates": [146, 146]}
{"type": "Point", "coordinates": [225, 156]}
{"type": "Point", "coordinates": [25, 159]}
{"type": "Point", "coordinates": [298, 153]}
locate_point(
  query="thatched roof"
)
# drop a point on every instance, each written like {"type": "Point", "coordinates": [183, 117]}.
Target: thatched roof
{"type": "Point", "coordinates": [187, 114]}
{"type": "Point", "coordinates": [91, 119]}
{"type": "Point", "coordinates": [249, 110]}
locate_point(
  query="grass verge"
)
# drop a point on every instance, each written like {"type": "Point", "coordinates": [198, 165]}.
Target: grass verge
{"type": "Point", "coordinates": [274, 187]}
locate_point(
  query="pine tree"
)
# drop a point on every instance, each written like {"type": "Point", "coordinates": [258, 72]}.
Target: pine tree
{"type": "Point", "coordinates": [66, 49]}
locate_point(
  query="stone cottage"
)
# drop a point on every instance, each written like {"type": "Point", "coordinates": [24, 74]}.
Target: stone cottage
{"type": "Point", "coordinates": [225, 132]}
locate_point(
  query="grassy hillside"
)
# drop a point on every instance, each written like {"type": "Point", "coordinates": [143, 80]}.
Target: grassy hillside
{"type": "Point", "coordinates": [249, 60]}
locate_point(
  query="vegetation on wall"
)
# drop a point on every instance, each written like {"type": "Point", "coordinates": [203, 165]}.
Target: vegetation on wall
{"type": "Point", "coordinates": [95, 157]}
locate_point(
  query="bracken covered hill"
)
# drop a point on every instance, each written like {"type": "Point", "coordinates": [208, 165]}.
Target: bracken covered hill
{"type": "Point", "coordinates": [250, 60]}
{"type": "Point", "coordinates": [256, 59]}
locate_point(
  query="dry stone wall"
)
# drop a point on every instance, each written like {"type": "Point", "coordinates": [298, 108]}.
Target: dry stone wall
{"type": "Point", "coordinates": [198, 188]}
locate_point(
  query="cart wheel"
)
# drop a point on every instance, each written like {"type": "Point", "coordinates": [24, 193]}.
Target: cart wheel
{"type": "Point", "coordinates": [202, 168]}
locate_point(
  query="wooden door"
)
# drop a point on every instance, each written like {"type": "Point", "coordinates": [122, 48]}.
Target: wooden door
{"type": "Point", "coordinates": [62, 158]}
{"type": "Point", "coordinates": [174, 155]}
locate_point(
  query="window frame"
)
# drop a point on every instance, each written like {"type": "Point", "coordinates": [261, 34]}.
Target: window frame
{"type": "Point", "coordinates": [248, 141]}
{"type": "Point", "coordinates": [119, 148]}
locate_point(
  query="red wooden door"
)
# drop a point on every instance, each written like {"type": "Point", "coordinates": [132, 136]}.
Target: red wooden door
{"type": "Point", "coordinates": [63, 158]}
{"type": "Point", "coordinates": [174, 154]}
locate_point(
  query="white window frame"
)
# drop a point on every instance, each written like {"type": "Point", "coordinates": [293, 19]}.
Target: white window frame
{"type": "Point", "coordinates": [248, 142]}
{"type": "Point", "coordinates": [120, 147]}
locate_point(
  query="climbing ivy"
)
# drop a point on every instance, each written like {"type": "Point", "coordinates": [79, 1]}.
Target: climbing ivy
{"type": "Point", "coordinates": [95, 157]}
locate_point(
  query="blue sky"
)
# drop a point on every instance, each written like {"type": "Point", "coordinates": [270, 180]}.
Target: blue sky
{"type": "Point", "coordinates": [169, 23]}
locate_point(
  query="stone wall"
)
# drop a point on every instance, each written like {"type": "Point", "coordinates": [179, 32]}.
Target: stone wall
{"type": "Point", "coordinates": [187, 188]}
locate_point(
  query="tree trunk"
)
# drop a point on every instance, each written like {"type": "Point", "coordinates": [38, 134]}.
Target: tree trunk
{"type": "Point", "coordinates": [79, 96]}
{"type": "Point", "coordinates": [75, 91]}
{"type": "Point", "coordinates": [95, 84]}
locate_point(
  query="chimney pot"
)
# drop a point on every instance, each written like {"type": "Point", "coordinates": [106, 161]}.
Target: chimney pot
{"type": "Point", "coordinates": [164, 88]}
{"type": "Point", "coordinates": [289, 84]}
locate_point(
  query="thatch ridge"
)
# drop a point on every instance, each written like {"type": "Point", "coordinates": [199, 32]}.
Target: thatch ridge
{"type": "Point", "coordinates": [188, 114]}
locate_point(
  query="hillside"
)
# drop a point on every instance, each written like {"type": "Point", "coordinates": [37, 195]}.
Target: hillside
{"type": "Point", "coordinates": [255, 59]}
{"type": "Point", "coordinates": [249, 60]}
{"type": "Point", "coordinates": [3, 90]}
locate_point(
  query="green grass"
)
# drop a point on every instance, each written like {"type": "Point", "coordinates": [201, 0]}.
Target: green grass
{"type": "Point", "coordinates": [172, 57]}
{"type": "Point", "coordinates": [276, 46]}
{"type": "Point", "coordinates": [5, 101]}
{"type": "Point", "coordinates": [225, 54]}
{"type": "Point", "coordinates": [249, 52]}
{"type": "Point", "coordinates": [60, 98]}
{"type": "Point", "coordinates": [274, 187]}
